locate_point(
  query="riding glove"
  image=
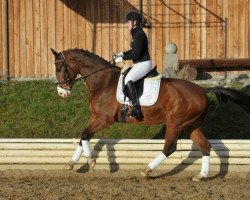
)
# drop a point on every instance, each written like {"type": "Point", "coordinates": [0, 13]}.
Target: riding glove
{"type": "Point", "coordinates": [119, 54]}
{"type": "Point", "coordinates": [118, 59]}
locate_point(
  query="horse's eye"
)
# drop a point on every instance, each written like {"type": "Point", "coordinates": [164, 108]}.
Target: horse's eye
{"type": "Point", "coordinates": [59, 67]}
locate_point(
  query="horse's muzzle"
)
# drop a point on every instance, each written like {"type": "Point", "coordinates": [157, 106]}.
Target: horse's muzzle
{"type": "Point", "coordinates": [63, 92]}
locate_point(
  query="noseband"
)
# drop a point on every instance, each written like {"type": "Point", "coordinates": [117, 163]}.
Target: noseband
{"type": "Point", "coordinates": [66, 74]}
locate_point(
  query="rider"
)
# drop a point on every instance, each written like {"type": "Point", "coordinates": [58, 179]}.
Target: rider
{"type": "Point", "coordinates": [141, 60]}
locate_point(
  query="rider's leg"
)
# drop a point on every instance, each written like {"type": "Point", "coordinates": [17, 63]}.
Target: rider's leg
{"type": "Point", "coordinates": [136, 111]}
{"type": "Point", "coordinates": [138, 71]}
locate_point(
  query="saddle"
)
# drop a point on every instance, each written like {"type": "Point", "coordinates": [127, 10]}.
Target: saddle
{"type": "Point", "coordinates": [147, 88]}
{"type": "Point", "coordinates": [139, 84]}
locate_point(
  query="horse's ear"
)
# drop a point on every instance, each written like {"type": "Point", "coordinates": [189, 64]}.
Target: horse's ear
{"type": "Point", "coordinates": [54, 52]}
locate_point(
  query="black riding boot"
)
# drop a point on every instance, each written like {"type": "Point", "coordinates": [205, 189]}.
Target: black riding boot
{"type": "Point", "coordinates": [132, 93]}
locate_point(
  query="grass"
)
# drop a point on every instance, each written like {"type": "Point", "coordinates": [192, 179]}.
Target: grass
{"type": "Point", "coordinates": [32, 109]}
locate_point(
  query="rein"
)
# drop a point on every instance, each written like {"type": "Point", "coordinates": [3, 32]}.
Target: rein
{"type": "Point", "coordinates": [96, 72]}
{"type": "Point", "coordinates": [72, 82]}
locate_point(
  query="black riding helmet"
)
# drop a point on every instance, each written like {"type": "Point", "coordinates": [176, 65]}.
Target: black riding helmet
{"type": "Point", "coordinates": [134, 16]}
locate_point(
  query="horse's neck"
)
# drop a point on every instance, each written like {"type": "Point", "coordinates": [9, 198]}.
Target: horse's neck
{"type": "Point", "coordinates": [97, 72]}
{"type": "Point", "coordinates": [101, 79]}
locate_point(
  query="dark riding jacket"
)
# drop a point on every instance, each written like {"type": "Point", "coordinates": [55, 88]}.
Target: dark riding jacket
{"type": "Point", "coordinates": [139, 45]}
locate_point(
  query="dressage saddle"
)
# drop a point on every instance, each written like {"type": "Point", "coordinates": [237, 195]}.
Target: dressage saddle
{"type": "Point", "coordinates": [139, 83]}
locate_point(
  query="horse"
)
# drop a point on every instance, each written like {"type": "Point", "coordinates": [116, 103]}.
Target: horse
{"type": "Point", "coordinates": [181, 104]}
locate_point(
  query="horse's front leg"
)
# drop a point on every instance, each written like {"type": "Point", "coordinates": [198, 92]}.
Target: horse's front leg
{"type": "Point", "coordinates": [95, 125]}
{"type": "Point", "coordinates": [83, 147]}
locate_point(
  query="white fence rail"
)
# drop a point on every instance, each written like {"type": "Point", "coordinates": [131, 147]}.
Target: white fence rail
{"type": "Point", "coordinates": [118, 153]}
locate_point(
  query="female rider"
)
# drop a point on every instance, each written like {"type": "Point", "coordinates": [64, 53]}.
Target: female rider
{"type": "Point", "coordinates": [139, 54]}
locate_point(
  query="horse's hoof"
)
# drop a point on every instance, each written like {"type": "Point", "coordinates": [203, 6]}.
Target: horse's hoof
{"type": "Point", "coordinates": [198, 178]}
{"type": "Point", "coordinates": [145, 172]}
{"type": "Point", "coordinates": [91, 163]}
{"type": "Point", "coordinates": [69, 165]}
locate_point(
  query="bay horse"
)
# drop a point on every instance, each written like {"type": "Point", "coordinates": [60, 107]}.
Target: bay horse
{"type": "Point", "coordinates": [181, 104]}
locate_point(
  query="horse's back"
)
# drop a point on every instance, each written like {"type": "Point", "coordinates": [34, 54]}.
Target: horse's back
{"type": "Point", "coordinates": [179, 91]}
{"type": "Point", "coordinates": [183, 86]}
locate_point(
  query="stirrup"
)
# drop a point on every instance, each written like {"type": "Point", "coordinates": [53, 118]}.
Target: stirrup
{"type": "Point", "coordinates": [137, 113]}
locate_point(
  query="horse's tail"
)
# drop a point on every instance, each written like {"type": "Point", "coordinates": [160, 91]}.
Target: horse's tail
{"type": "Point", "coordinates": [227, 94]}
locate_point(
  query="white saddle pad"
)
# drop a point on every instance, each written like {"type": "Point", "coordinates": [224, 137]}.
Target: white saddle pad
{"type": "Point", "coordinates": [150, 91]}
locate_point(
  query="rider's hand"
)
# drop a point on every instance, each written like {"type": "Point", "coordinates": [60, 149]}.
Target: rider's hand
{"type": "Point", "coordinates": [116, 55]}
{"type": "Point", "coordinates": [118, 59]}
{"type": "Point", "coordinates": [119, 54]}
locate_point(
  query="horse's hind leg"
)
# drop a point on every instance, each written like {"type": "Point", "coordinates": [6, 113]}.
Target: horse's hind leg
{"type": "Point", "coordinates": [171, 137]}
{"type": "Point", "coordinates": [199, 140]}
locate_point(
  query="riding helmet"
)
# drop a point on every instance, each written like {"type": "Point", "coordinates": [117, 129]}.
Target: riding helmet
{"type": "Point", "coordinates": [134, 16]}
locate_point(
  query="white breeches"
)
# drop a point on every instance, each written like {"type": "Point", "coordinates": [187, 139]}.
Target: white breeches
{"type": "Point", "coordinates": [138, 71]}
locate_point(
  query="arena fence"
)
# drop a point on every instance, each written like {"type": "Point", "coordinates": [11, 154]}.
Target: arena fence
{"type": "Point", "coordinates": [120, 154]}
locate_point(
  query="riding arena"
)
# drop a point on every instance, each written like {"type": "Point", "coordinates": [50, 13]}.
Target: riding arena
{"type": "Point", "coordinates": [200, 55]}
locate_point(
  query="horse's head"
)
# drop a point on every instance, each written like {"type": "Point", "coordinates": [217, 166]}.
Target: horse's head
{"type": "Point", "coordinates": [65, 74]}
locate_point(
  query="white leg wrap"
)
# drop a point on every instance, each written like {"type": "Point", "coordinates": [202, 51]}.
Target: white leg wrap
{"type": "Point", "coordinates": [205, 166]}
{"type": "Point", "coordinates": [157, 161]}
{"type": "Point", "coordinates": [86, 148]}
{"type": "Point", "coordinates": [78, 153]}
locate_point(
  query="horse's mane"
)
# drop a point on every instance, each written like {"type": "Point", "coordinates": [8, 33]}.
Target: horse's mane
{"type": "Point", "coordinates": [93, 57]}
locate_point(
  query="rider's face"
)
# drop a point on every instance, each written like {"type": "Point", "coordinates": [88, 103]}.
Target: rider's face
{"type": "Point", "coordinates": [129, 25]}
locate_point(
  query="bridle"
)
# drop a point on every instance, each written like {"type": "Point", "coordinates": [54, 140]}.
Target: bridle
{"type": "Point", "coordinates": [66, 74]}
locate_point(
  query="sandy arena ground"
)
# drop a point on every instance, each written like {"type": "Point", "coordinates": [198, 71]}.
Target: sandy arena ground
{"type": "Point", "coordinates": [123, 184]}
